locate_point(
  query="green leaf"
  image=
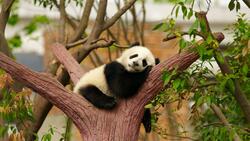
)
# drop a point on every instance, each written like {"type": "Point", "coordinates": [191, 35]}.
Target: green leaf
{"type": "Point", "coordinates": [231, 5]}
{"type": "Point", "coordinates": [193, 27]}
{"type": "Point", "coordinates": [184, 11]}
{"type": "Point", "coordinates": [209, 39]}
{"type": "Point", "coordinates": [13, 19]}
{"type": "Point", "coordinates": [148, 106]}
{"type": "Point", "coordinates": [219, 57]}
{"type": "Point", "coordinates": [41, 19]}
{"type": "Point", "coordinates": [190, 14]}
{"type": "Point", "coordinates": [245, 69]}
{"type": "Point", "coordinates": [166, 77]}
{"type": "Point", "coordinates": [177, 11]}
{"type": "Point", "coordinates": [182, 43]}
{"type": "Point", "coordinates": [199, 101]}
{"type": "Point", "coordinates": [15, 41]}
{"type": "Point", "coordinates": [203, 26]}
{"type": "Point", "coordinates": [158, 26]}
{"type": "Point", "coordinates": [30, 28]}
{"type": "Point", "coordinates": [176, 83]}
{"type": "Point", "coordinates": [237, 6]}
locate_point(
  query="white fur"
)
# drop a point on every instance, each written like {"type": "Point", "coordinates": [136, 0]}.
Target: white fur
{"type": "Point", "coordinates": [97, 78]}
{"type": "Point", "coordinates": [94, 77]}
{"type": "Point", "coordinates": [143, 53]}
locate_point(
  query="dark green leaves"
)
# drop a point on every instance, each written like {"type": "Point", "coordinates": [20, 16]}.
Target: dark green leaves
{"type": "Point", "coordinates": [13, 19]}
{"type": "Point", "coordinates": [232, 5]}
{"type": "Point", "coordinates": [36, 21]}
{"type": "Point", "coordinates": [182, 43]}
{"type": "Point", "coordinates": [15, 41]}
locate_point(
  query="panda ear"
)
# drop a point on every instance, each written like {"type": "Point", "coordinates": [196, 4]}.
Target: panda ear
{"type": "Point", "coordinates": [157, 61]}
{"type": "Point", "coordinates": [134, 44]}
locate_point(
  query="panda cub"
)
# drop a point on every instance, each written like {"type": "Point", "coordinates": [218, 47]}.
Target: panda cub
{"type": "Point", "coordinates": [118, 79]}
{"type": "Point", "coordinates": [121, 78]}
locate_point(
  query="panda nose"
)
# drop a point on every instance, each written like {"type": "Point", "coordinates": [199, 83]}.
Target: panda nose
{"type": "Point", "coordinates": [135, 64]}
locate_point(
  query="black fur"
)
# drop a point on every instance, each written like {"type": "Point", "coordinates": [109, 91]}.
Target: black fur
{"type": "Point", "coordinates": [97, 98]}
{"type": "Point", "coordinates": [157, 61]}
{"type": "Point", "coordinates": [146, 120]}
{"type": "Point", "coordinates": [124, 84]}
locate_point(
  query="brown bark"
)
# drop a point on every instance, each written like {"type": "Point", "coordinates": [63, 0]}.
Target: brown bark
{"type": "Point", "coordinates": [4, 15]}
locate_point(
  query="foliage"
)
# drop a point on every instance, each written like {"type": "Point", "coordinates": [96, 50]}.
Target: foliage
{"type": "Point", "coordinates": [49, 134]}
{"type": "Point", "coordinates": [51, 3]}
{"type": "Point", "coordinates": [200, 84]}
{"type": "Point", "coordinates": [15, 106]}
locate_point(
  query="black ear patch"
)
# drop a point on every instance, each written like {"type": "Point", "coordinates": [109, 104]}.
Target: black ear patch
{"type": "Point", "coordinates": [133, 56]}
{"type": "Point", "coordinates": [157, 61]}
{"type": "Point", "coordinates": [144, 63]}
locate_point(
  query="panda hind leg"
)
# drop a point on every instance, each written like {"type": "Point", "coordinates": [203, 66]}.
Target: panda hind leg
{"type": "Point", "coordinates": [146, 120]}
{"type": "Point", "coordinates": [97, 98]}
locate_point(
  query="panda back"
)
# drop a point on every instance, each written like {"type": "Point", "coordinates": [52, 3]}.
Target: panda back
{"type": "Point", "coordinates": [95, 78]}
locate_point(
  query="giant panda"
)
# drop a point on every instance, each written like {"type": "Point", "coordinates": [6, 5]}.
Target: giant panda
{"type": "Point", "coordinates": [118, 79]}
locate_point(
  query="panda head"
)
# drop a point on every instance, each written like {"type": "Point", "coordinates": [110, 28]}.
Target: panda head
{"type": "Point", "coordinates": [137, 59]}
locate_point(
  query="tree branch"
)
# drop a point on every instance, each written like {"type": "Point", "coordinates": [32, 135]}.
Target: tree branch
{"type": "Point", "coordinates": [71, 65]}
{"type": "Point", "coordinates": [61, 8]}
{"type": "Point", "coordinates": [113, 19]}
{"type": "Point", "coordinates": [84, 21]}
{"type": "Point", "coordinates": [4, 16]}
{"type": "Point", "coordinates": [247, 2]}
{"type": "Point", "coordinates": [49, 88]}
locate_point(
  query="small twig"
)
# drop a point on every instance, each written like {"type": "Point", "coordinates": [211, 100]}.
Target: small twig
{"type": "Point", "coordinates": [170, 37]}
{"type": "Point", "coordinates": [122, 47]}
{"type": "Point", "coordinates": [213, 124]}
{"type": "Point", "coordinates": [98, 58]}
{"type": "Point", "coordinates": [143, 22]}
{"type": "Point", "coordinates": [100, 39]}
{"type": "Point", "coordinates": [101, 45]}
{"type": "Point", "coordinates": [79, 42]}
{"type": "Point", "coordinates": [64, 14]}
{"type": "Point", "coordinates": [247, 2]}
{"type": "Point", "coordinates": [113, 19]}
{"type": "Point", "coordinates": [136, 28]}
{"type": "Point", "coordinates": [84, 21]}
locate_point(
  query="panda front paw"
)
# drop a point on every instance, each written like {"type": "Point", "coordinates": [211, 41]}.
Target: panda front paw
{"type": "Point", "coordinates": [108, 103]}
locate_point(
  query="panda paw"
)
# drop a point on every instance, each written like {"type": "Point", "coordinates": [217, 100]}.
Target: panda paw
{"type": "Point", "coordinates": [108, 103]}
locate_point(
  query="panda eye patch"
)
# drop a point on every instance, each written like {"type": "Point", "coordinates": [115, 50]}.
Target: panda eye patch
{"type": "Point", "coordinates": [133, 56]}
{"type": "Point", "coordinates": [144, 63]}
